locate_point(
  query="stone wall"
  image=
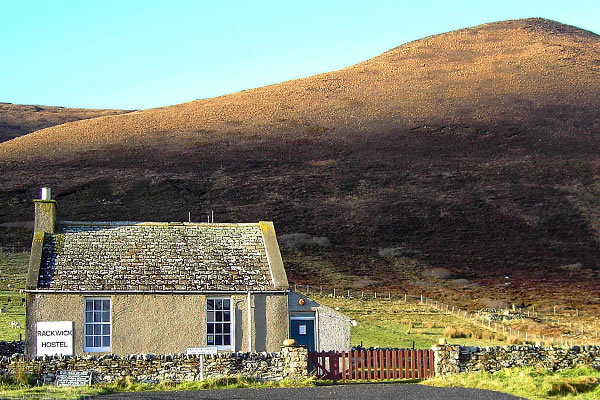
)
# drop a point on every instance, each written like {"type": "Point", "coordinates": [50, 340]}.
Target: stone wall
{"type": "Point", "coordinates": [291, 362]}
{"type": "Point", "coordinates": [10, 348]}
{"type": "Point", "coordinates": [451, 359]}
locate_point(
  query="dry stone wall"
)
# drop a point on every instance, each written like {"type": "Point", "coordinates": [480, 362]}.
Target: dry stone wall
{"type": "Point", "coordinates": [155, 256]}
{"type": "Point", "coordinates": [291, 362]}
{"type": "Point", "coordinates": [452, 359]}
{"type": "Point", "coordinates": [10, 348]}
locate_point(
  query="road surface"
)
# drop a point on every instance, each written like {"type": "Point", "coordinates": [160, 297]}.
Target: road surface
{"type": "Point", "coordinates": [372, 391]}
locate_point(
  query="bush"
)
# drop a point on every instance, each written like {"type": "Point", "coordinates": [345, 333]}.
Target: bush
{"type": "Point", "coordinates": [512, 340]}
{"type": "Point", "coordinates": [574, 386]}
{"type": "Point", "coordinates": [456, 333]}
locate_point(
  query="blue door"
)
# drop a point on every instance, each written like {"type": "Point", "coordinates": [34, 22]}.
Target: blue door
{"type": "Point", "coordinates": [303, 330]}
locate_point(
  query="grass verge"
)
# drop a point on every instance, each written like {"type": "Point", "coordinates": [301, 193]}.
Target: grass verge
{"type": "Point", "coordinates": [578, 383]}
{"type": "Point", "coordinates": [393, 323]}
{"type": "Point", "coordinates": [16, 391]}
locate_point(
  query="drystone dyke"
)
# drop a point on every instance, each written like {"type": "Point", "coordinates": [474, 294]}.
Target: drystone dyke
{"type": "Point", "coordinates": [452, 359]}
{"type": "Point", "coordinates": [155, 256]}
{"type": "Point", "coordinates": [291, 363]}
{"type": "Point", "coordinates": [10, 348]}
{"type": "Point", "coordinates": [494, 314]}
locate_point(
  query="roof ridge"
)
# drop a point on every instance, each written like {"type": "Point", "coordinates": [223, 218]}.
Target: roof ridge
{"type": "Point", "coordinates": [154, 223]}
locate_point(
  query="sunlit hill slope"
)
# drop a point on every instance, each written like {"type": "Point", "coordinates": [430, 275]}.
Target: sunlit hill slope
{"type": "Point", "coordinates": [475, 150]}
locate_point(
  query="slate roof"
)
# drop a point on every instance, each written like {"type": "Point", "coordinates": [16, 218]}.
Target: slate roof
{"type": "Point", "coordinates": [133, 256]}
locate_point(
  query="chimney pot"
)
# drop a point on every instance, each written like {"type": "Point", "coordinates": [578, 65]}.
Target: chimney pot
{"type": "Point", "coordinates": [46, 194]}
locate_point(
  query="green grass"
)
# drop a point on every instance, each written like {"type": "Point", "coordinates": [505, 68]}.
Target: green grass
{"type": "Point", "coordinates": [13, 271]}
{"type": "Point", "coordinates": [14, 306]}
{"type": "Point", "coordinates": [578, 383]}
{"type": "Point", "coordinates": [393, 323]}
{"type": "Point", "coordinates": [15, 391]}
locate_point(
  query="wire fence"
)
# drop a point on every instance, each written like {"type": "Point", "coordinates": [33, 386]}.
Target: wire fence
{"type": "Point", "coordinates": [578, 333]}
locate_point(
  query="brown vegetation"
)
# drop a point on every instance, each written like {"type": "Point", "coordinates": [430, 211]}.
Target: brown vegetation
{"type": "Point", "coordinates": [475, 151]}
{"type": "Point", "coordinates": [18, 120]}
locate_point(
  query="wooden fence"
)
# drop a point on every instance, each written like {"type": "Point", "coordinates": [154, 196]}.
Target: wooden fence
{"type": "Point", "coordinates": [372, 364]}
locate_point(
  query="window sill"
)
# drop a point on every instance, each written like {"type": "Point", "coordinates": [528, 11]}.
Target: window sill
{"type": "Point", "coordinates": [96, 349]}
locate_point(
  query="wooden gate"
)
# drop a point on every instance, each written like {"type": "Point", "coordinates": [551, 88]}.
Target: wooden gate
{"type": "Point", "coordinates": [371, 364]}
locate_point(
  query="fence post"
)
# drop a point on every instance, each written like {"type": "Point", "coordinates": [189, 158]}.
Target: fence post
{"type": "Point", "coordinates": [405, 297]}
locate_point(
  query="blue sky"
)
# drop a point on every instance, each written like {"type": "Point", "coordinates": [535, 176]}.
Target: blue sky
{"type": "Point", "coordinates": [142, 54]}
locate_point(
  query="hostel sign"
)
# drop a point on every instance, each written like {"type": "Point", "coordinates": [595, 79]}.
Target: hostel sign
{"type": "Point", "coordinates": [54, 338]}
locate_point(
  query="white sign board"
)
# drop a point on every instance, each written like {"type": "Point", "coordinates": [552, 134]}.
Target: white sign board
{"type": "Point", "coordinates": [194, 351]}
{"type": "Point", "coordinates": [54, 338]}
{"type": "Point", "coordinates": [302, 329]}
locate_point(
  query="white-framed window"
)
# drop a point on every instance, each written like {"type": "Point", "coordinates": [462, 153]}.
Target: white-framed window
{"type": "Point", "coordinates": [97, 325]}
{"type": "Point", "coordinates": [219, 323]}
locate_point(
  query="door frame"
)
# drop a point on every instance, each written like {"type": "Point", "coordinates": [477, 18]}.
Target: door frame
{"type": "Point", "coordinates": [313, 319]}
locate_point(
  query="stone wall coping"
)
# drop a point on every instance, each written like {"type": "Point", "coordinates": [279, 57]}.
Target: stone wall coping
{"type": "Point", "coordinates": [177, 292]}
{"type": "Point", "coordinates": [152, 356]}
{"type": "Point", "coordinates": [450, 347]}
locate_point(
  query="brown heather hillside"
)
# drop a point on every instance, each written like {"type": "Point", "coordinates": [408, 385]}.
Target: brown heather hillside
{"type": "Point", "coordinates": [18, 120]}
{"type": "Point", "coordinates": [475, 150]}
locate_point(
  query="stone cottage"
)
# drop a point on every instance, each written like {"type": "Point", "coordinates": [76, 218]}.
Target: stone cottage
{"type": "Point", "coordinates": [156, 287]}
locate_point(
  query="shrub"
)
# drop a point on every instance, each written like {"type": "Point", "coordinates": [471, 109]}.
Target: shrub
{"type": "Point", "coordinates": [23, 377]}
{"type": "Point", "coordinates": [512, 340]}
{"type": "Point", "coordinates": [455, 333]}
{"type": "Point", "coordinates": [574, 385]}
{"type": "Point", "coordinates": [487, 335]}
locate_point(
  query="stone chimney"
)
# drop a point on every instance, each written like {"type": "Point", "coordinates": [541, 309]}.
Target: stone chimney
{"type": "Point", "coordinates": [45, 212]}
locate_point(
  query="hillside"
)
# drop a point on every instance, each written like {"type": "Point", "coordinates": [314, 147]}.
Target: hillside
{"type": "Point", "coordinates": [476, 150]}
{"type": "Point", "coordinates": [18, 120]}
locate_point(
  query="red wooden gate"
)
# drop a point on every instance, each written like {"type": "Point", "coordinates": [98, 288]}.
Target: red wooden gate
{"type": "Point", "coordinates": [371, 364]}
